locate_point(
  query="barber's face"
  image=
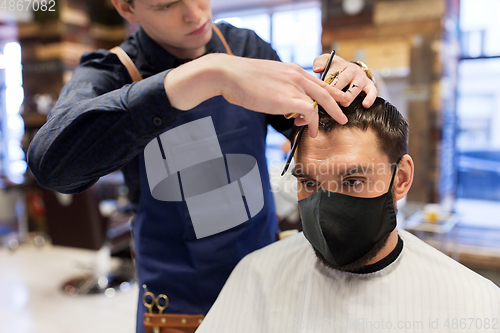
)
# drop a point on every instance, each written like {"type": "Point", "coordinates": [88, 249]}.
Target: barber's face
{"type": "Point", "coordinates": [182, 27]}
{"type": "Point", "coordinates": [345, 160]}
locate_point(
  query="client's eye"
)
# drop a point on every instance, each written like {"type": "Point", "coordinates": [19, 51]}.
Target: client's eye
{"type": "Point", "coordinates": [309, 183]}
{"type": "Point", "coordinates": [352, 182]}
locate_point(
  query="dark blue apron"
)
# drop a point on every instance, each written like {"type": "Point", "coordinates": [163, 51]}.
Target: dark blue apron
{"type": "Point", "coordinates": [170, 259]}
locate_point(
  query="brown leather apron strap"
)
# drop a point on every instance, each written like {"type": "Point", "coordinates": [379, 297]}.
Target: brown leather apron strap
{"type": "Point", "coordinates": [223, 40]}
{"type": "Point", "coordinates": [128, 63]}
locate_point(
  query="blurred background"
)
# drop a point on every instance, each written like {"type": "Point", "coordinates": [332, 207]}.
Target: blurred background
{"type": "Point", "coordinates": [63, 258]}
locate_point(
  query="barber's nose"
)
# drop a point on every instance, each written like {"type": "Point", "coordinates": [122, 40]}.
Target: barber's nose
{"type": "Point", "coordinates": [192, 12]}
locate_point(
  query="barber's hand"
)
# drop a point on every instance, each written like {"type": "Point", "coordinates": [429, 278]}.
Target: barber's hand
{"type": "Point", "coordinates": [261, 85]}
{"type": "Point", "coordinates": [350, 74]}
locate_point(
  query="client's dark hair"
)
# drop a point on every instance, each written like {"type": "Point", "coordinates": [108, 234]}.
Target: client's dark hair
{"type": "Point", "coordinates": [382, 117]}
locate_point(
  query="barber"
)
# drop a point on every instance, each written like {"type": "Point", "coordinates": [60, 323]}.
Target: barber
{"type": "Point", "coordinates": [102, 122]}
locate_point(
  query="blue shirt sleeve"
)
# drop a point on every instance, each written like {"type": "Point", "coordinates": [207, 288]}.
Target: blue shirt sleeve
{"type": "Point", "coordinates": [98, 125]}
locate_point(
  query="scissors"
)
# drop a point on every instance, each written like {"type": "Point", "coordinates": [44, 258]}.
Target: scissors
{"type": "Point", "coordinates": [154, 301]}
{"type": "Point", "coordinates": [329, 80]}
{"type": "Point", "coordinates": [323, 76]}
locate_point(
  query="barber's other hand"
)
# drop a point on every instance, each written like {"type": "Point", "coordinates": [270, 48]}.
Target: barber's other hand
{"type": "Point", "coordinates": [260, 85]}
{"type": "Point", "coordinates": [350, 74]}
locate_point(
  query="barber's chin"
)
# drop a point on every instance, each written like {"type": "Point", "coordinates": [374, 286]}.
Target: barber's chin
{"type": "Point", "coordinates": [358, 264]}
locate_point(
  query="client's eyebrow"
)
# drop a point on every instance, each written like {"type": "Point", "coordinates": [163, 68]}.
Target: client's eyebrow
{"type": "Point", "coordinates": [357, 169]}
{"type": "Point", "coordinates": [360, 168]}
{"type": "Point", "coordinates": [299, 173]}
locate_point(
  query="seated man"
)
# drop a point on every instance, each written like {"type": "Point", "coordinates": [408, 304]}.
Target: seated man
{"type": "Point", "coordinates": [361, 274]}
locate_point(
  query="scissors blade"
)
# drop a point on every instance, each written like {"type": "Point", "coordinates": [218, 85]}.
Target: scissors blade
{"type": "Point", "coordinates": [328, 64]}
{"type": "Point", "coordinates": [299, 134]}
{"type": "Point", "coordinates": [295, 144]}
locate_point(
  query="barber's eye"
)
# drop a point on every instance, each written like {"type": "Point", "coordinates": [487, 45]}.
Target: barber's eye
{"type": "Point", "coordinates": [351, 182]}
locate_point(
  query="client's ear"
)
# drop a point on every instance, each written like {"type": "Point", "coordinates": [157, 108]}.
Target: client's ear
{"type": "Point", "coordinates": [404, 177]}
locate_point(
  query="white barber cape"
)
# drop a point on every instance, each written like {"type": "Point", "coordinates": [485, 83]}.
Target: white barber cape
{"type": "Point", "coordinates": [284, 288]}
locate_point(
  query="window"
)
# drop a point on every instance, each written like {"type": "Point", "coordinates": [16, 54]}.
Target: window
{"type": "Point", "coordinates": [478, 114]}
{"type": "Point", "coordinates": [260, 23]}
{"type": "Point", "coordinates": [480, 27]}
{"type": "Point", "coordinates": [294, 31]}
{"type": "Point", "coordinates": [12, 164]}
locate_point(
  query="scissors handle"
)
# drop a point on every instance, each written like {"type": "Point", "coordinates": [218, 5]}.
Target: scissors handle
{"type": "Point", "coordinates": [328, 81]}
{"type": "Point", "coordinates": [332, 77]}
{"type": "Point", "coordinates": [161, 308]}
{"type": "Point", "coordinates": [147, 304]}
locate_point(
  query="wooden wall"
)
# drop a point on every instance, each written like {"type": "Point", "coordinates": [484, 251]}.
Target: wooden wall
{"type": "Point", "coordinates": [421, 37]}
{"type": "Point", "coordinates": [52, 46]}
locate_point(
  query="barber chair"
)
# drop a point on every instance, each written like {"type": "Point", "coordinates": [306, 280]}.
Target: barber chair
{"type": "Point", "coordinates": [75, 220]}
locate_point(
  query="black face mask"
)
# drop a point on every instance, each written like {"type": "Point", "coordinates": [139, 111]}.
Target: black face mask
{"type": "Point", "coordinates": [344, 228]}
